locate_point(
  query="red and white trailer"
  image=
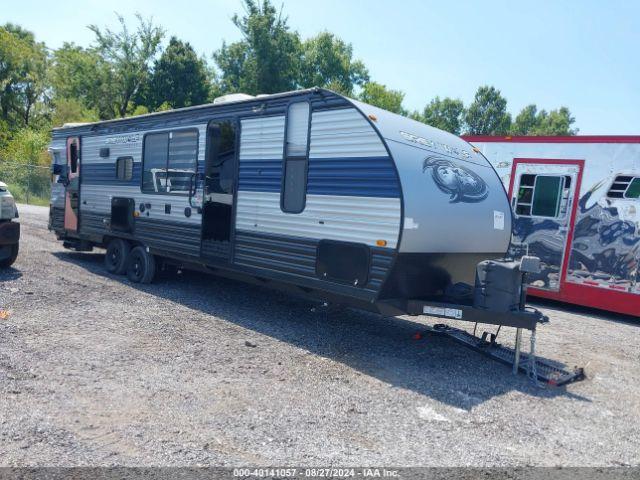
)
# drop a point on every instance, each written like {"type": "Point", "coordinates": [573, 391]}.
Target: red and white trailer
{"type": "Point", "coordinates": [576, 205]}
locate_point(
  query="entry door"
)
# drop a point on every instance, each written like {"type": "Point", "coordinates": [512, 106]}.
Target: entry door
{"type": "Point", "coordinates": [219, 186]}
{"type": "Point", "coordinates": [72, 185]}
{"type": "Point", "coordinates": [543, 194]}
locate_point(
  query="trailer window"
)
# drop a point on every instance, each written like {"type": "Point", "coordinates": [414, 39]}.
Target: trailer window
{"type": "Point", "coordinates": [543, 195]}
{"type": "Point", "coordinates": [298, 129]}
{"type": "Point", "coordinates": [625, 186]}
{"type": "Point", "coordinates": [634, 189]}
{"type": "Point", "coordinates": [220, 166]}
{"type": "Point", "coordinates": [294, 185]}
{"type": "Point", "coordinates": [169, 161]}
{"type": "Point", "coordinates": [73, 156]}
{"type": "Point", "coordinates": [124, 168]}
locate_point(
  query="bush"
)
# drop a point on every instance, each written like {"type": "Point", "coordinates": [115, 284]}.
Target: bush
{"type": "Point", "coordinates": [20, 195]}
{"type": "Point", "coordinates": [24, 165]}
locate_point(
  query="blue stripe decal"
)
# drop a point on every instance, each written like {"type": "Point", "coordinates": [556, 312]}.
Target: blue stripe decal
{"type": "Point", "coordinates": [353, 177]}
{"type": "Point", "coordinates": [104, 173]}
{"type": "Point", "coordinates": [260, 175]}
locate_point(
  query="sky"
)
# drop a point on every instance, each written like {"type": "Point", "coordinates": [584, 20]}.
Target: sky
{"type": "Point", "coordinates": [581, 54]}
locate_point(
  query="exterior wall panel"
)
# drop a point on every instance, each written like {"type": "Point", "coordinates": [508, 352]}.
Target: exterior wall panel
{"type": "Point", "coordinates": [343, 133]}
{"type": "Point", "coordinates": [350, 219]}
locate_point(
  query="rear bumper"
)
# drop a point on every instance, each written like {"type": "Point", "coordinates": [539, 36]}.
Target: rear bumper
{"type": "Point", "coordinates": [9, 233]}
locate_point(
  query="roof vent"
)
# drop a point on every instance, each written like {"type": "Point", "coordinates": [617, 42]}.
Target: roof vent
{"type": "Point", "coordinates": [232, 97]}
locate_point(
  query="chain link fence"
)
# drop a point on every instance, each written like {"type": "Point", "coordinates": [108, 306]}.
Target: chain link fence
{"type": "Point", "coordinates": [28, 183]}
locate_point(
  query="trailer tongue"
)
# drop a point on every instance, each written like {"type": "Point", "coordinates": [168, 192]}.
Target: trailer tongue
{"type": "Point", "coordinates": [498, 298]}
{"type": "Point", "coordinates": [538, 369]}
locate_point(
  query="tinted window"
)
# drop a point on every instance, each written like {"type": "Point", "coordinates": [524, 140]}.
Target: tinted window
{"type": "Point", "coordinates": [73, 153]}
{"type": "Point", "coordinates": [543, 195]}
{"type": "Point", "coordinates": [124, 168]}
{"type": "Point", "coordinates": [619, 186]}
{"type": "Point", "coordinates": [156, 150]}
{"type": "Point", "coordinates": [183, 151]}
{"type": "Point", "coordinates": [295, 179]}
{"type": "Point", "coordinates": [633, 191]}
{"type": "Point", "coordinates": [294, 187]}
{"type": "Point", "coordinates": [221, 162]}
{"type": "Point", "coordinates": [546, 196]}
{"type": "Point", "coordinates": [169, 161]}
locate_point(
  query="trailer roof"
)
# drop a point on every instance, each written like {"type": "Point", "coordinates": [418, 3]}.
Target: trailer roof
{"type": "Point", "coordinates": [257, 98]}
{"type": "Point", "coordinates": [554, 139]}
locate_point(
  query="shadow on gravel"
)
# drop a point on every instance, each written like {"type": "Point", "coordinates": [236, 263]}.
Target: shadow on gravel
{"type": "Point", "coordinates": [377, 346]}
{"type": "Point", "coordinates": [8, 274]}
{"type": "Point", "coordinates": [592, 312]}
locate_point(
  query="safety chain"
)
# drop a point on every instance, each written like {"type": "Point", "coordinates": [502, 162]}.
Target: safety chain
{"type": "Point", "coordinates": [532, 370]}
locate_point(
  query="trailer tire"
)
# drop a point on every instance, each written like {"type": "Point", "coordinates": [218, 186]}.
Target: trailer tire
{"type": "Point", "coordinates": [141, 265]}
{"type": "Point", "coordinates": [115, 259]}
{"type": "Point", "coordinates": [13, 254]}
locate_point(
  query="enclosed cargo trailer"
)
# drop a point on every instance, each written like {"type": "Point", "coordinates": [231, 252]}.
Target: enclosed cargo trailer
{"type": "Point", "coordinates": [576, 206]}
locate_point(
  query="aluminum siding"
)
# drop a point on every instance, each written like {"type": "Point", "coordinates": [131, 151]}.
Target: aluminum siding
{"type": "Point", "coordinates": [351, 195]}
{"type": "Point", "coordinates": [350, 219]}
{"type": "Point", "coordinates": [296, 256]}
{"type": "Point", "coordinates": [341, 133]}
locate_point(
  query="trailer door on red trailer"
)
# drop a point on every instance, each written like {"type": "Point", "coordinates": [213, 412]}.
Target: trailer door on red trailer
{"type": "Point", "coordinates": [543, 196]}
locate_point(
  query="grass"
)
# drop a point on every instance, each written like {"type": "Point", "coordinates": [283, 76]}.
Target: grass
{"type": "Point", "coordinates": [20, 194]}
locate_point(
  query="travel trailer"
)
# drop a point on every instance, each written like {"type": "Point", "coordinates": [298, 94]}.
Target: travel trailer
{"type": "Point", "coordinates": [576, 206]}
{"type": "Point", "coordinates": [306, 191]}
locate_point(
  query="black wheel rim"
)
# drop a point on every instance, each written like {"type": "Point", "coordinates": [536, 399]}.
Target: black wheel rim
{"type": "Point", "coordinates": [114, 257]}
{"type": "Point", "coordinates": [136, 267]}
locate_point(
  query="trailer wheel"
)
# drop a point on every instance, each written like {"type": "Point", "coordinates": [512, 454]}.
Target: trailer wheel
{"type": "Point", "coordinates": [141, 266]}
{"type": "Point", "coordinates": [115, 260]}
{"type": "Point", "coordinates": [8, 255]}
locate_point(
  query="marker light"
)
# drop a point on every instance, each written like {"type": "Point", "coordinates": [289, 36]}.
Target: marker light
{"type": "Point", "coordinates": [381, 243]}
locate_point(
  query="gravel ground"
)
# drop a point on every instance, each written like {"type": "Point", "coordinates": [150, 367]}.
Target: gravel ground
{"type": "Point", "coordinates": [197, 370]}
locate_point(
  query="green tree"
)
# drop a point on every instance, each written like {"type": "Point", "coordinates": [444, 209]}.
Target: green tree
{"type": "Point", "coordinates": [446, 114]}
{"type": "Point", "coordinates": [179, 78]}
{"type": "Point", "coordinates": [23, 66]}
{"type": "Point", "coordinates": [530, 121]}
{"type": "Point", "coordinates": [488, 115]}
{"type": "Point", "coordinates": [12, 53]}
{"type": "Point", "coordinates": [557, 122]}
{"type": "Point", "coordinates": [71, 110]}
{"type": "Point", "coordinates": [379, 95]}
{"type": "Point", "coordinates": [129, 55]}
{"type": "Point", "coordinates": [526, 121]}
{"type": "Point", "coordinates": [327, 61]}
{"type": "Point", "coordinates": [267, 59]}
{"type": "Point", "coordinates": [82, 81]}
